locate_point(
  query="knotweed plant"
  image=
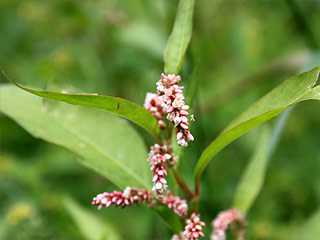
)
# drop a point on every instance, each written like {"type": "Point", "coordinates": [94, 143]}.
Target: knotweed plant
{"type": "Point", "coordinates": [166, 116]}
{"type": "Point", "coordinates": [169, 109]}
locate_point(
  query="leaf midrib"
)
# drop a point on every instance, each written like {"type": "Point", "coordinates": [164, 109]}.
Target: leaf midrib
{"type": "Point", "coordinates": [98, 150]}
{"type": "Point", "coordinates": [92, 146]}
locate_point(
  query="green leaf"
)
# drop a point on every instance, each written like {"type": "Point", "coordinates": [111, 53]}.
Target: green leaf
{"type": "Point", "coordinates": [3, 228]}
{"type": "Point", "coordinates": [252, 180]}
{"type": "Point", "coordinates": [91, 227]}
{"type": "Point", "coordinates": [118, 106]}
{"type": "Point", "coordinates": [180, 37]}
{"type": "Point", "coordinates": [171, 220]}
{"type": "Point", "coordinates": [294, 90]}
{"type": "Point", "coordinates": [106, 144]}
{"type": "Point", "coordinates": [145, 36]}
{"type": "Point", "coordinates": [310, 229]}
{"type": "Point", "coordinates": [313, 94]}
{"type": "Point", "coordinates": [253, 177]}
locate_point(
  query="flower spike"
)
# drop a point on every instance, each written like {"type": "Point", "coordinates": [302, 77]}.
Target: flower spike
{"type": "Point", "coordinates": [159, 157]}
{"type": "Point", "coordinates": [123, 199]}
{"type": "Point", "coordinates": [173, 104]}
{"type": "Point", "coordinates": [176, 204]}
{"type": "Point", "coordinates": [193, 229]}
{"type": "Point", "coordinates": [222, 222]}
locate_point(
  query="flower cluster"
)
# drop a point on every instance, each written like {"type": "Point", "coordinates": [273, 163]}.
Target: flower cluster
{"type": "Point", "coordinates": [173, 104]}
{"type": "Point", "coordinates": [168, 102]}
{"type": "Point", "coordinates": [159, 157]}
{"type": "Point", "coordinates": [193, 229]}
{"type": "Point", "coordinates": [123, 199]}
{"type": "Point", "coordinates": [222, 222]}
{"type": "Point", "coordinates": [153, 103]}
{"type": "Point", "coordinates": [176, 204]}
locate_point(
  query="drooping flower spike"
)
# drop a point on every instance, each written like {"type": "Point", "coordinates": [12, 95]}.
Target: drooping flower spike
{"type": "Point", "coordinates": [160, 156]}
{"type": "Point", "coordinates": [221, 223]}
{"type": "Point", "coordinates": [176, 204]}
{"type": "Point", "coordinates": [123, 199]}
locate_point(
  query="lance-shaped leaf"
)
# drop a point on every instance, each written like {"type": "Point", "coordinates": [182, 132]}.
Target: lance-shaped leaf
{"type": "Point", "coordinates": [118, 106]}
{"type": "Point", "coordinates": [180, 37]}
{"type": "Point", "coordinates": [105, 143]}
{"type": "Point", "coordinates": [90, 225]}
{"type": "Point", "coordinates": [294, 90]}
{"type": "Point", "coordinates": [253, 178]}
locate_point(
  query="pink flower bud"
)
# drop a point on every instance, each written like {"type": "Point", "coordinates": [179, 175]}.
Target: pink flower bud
{"type": "Point", "coordinates": [153, 103]}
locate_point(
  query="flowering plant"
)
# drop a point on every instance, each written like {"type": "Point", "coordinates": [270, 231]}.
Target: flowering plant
{"type": "Point", "coordinates": [166, 116]}
{"type": "Point", "coordinates": [169, 109]}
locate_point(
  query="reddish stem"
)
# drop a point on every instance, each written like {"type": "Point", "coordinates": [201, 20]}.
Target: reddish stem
{"type": "Point", "coordinates": [182, 185]}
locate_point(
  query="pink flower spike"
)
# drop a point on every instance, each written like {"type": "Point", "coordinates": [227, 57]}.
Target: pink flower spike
{"type": "Point", "coordinates": [193, 229]}
{"type": "Point", "coordinates": [221, 223]}
{"type": "Point", "coordinates": [123, 199]}
{"type": "Point", "coordinates": [176, 204]}
{"type": "Point", "coordinates": [159, 157]}
{"type": "Point", "coordinates": [173, 104]}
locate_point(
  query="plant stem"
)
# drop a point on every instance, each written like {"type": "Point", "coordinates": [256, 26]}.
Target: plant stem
{"type": "Point", "coordinates": [182, 185]}
{"type": "Point", "coordinates": [197, 186]}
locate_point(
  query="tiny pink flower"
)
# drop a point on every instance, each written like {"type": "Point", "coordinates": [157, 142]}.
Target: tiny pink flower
{"type": "Point", "coordinates": [193, 229]}
{"type": "Point", "coordinates": [123, 199]}
{"type": "Point", "coordinates": [223, 220]}
{"type": "Point", "coordinates": [175, 203]}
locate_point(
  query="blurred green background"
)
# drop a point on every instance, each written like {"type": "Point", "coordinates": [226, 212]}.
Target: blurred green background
{"type": "Point", "coordinates": [240, 50]}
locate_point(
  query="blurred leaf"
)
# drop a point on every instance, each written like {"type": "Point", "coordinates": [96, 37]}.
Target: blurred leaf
{"type": "Point", "coordinates": [3, 228]}
{"type": "Point", "coordinates": [171, 220]}
{"type": "Point", "coordinates": [179, 38]}
{"type": "Point", "coordinates": [106, 143]}
{"type": "Point", "coordinates": [310, 229]}
{"type": "Point", "coordinates": [253, 177]}
{"type": "Point", "coordinates": [313, 94]}
{"type": "Point", "coordinates": [118, 106]}
{"type": "Point", "coordinates": [144, 36]}
{"type": "Point", "coordinates": [91, 227]}
{"type": "Point", "coordinates": [295, 89]}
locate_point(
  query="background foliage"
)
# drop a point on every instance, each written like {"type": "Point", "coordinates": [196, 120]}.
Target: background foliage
{"type": "Point", "coordinates": [239, 51]}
